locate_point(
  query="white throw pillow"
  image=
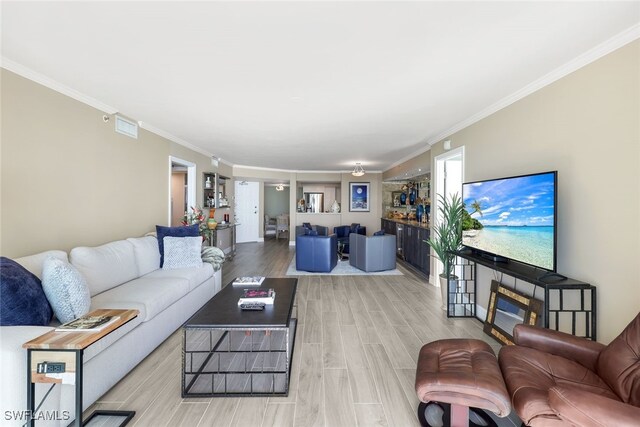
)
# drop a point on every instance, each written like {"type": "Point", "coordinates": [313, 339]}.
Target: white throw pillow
{"type": "Point", "coordinates": [182, 252]}
{"type": "Point", "coordinates": [66, 289]}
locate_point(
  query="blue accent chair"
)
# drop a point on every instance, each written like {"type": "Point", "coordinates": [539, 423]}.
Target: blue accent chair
{"type": "Point", "coordinates": [342, 232]}
{"type": "Point", "coordinates": [316, 253]}
{"type": "Point", "coordinates": [374, 253]}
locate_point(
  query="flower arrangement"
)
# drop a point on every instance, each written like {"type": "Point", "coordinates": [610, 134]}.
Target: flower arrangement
{"type": "Point", "coordinates": [195, 216]}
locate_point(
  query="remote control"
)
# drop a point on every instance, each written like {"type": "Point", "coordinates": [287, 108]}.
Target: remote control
{"type": "Point", "coordinates": [258, 306]}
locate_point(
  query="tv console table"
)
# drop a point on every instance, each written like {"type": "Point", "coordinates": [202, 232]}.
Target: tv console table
{"type": "Point", "coordinates": [558, 313]}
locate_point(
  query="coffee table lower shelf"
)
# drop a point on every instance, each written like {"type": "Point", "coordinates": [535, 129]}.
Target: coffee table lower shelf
{"type": "Point", "coordinates": [219, 362]}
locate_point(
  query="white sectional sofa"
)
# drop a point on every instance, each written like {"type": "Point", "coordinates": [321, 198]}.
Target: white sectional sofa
{"type": "Point", "coordinates": [120, 274]}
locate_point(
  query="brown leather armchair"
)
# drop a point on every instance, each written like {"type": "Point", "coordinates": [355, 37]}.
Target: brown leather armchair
{"type": "Point", "coordinates": [558, 379]}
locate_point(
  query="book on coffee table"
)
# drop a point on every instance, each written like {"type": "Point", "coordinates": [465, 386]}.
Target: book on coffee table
{"type": "Point", "coordinates": [248, 281]}
{"type": "Point", "coordinates": [87, 324]}
{"type": "Point", "coordinates": [257, 295]}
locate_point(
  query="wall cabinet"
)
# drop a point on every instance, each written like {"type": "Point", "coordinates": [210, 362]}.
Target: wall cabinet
{"type": "Point", "coordinates": [410, 237]}
{"type": "Point", "coordinates": [214, 187]}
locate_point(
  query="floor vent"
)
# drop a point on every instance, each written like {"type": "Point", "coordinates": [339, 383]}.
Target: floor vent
{"type": "Point", "coordinates": [126, 127]}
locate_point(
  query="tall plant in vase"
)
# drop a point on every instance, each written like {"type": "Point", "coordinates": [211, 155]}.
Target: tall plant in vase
{"type": "Point", "coordinates": [446, 238]}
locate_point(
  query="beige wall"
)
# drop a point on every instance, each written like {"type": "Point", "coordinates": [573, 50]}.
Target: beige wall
{"type": "Point", "coordinates": [587, 127]}
{"type": "Point", "coordinates": [69, 179]}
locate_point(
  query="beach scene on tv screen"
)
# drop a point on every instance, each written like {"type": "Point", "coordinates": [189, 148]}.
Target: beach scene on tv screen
{"type": "Point", "coordinates": [512, 217]}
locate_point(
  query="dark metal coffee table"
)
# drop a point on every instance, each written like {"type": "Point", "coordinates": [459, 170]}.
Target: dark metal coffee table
{"type": "Point", "coordinates": [230, 352]}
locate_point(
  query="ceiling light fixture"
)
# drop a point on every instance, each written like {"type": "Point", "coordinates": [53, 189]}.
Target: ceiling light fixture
{"type": "Point", "coordinates": [358, 171]}
{"type": "Point", "coordinates": [279, 187]}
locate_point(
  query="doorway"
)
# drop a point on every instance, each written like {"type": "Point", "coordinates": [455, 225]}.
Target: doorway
{"type": "Point", "coordinates": [182, 188]}
{"type": "Point", "coordinates": [178, 194]}
{"type": "Point", "coordinates": [247, 202]}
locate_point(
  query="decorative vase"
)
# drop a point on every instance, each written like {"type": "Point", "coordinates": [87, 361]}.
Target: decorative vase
{"type": "Point", "coordinates": [207, 184]}
{"type": "Point", "coordinates": [211, 221]}
{"type": "Point", "coordinates": [335, 207]}
{"type": "Point", "coordinates": [403, 199]}
{"type": "Point", "coordinates": [419, 213]}
{"type": "Point", "coordinates": [412, 197]}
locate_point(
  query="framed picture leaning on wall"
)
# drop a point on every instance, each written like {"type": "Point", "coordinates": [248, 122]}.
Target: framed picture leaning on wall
{"type": "Point", "coordinates": [358, 197]}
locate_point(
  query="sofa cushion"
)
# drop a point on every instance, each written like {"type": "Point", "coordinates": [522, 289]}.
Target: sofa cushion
{"type": "Point", "coordinates": [33, 263]}
{"type": "Point", "coordinates": [149, 295]}
{"type": "Point", "coordinates": [147, 253]}
{"type": "Point", "coordinates": [106, 266]}
{"type": "Point", "coordinates": [182, 252]}
{"type": "Point", "coordinates": [379, 233]}
{"type": "Point", "coordinates": [182, 231]}
{"type": "Point", "coordinates": [23, 300]}
{"type": "Point", "coordinates": [66, 290]}
{"type": "Point", "coordinates": [13, 389]}
{"type": "Point", "coordinates": [195, 276]}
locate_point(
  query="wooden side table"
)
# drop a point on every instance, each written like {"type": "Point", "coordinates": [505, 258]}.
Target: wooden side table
{"type": "Point", "coordinates": [68, 347]}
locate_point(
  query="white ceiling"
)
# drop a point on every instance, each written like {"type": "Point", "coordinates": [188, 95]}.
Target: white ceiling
{"type": "Point", "coordinates": [305, 85]}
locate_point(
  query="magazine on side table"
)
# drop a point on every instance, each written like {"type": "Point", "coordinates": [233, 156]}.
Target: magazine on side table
{"type": "Point", "coordinates": [87, 324]}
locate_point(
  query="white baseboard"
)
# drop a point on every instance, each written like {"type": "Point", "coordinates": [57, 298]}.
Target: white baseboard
{"type": "Point", "coordinates": [261, 239]}
{"type": "Point", "coordinates": [292, 242]}
{"type": "Point", "coordinates": [433, 281]}
{"type": "Point", "coordinates": [481, 313]}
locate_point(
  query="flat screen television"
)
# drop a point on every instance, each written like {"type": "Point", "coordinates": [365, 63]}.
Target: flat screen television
{"type": "Point", "coordinates": [513, 219]}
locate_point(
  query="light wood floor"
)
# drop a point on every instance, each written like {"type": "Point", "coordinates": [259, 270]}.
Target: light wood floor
{"type": "Point", "coordinates": [357, 344]}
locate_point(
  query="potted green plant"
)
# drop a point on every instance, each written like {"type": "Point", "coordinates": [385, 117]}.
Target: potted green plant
{"type": "Point", "coordinates": [446, 237]}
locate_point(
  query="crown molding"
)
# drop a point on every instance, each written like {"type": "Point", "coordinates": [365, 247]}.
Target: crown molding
{"type": "Point", "coordinates": [409, 157]}
{"type": "Point", "coordinates": [300, 170]}
{"type": "Point", "coordinates": [39, 78]}
{"type": "Point", "coordinates": [174, 138]}
{"type": "Point", "coordinates": [30, 74]}
{"type": "Point", "coordinates": [604, 48]}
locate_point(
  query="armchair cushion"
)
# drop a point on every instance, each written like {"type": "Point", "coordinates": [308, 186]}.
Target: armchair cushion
{"type": "Point", "coordinates": [585, 409]}
{"type": "Point", "coordinates": [619, 364]}
{"type": "Point", "coordinates": [559, 343]}
{"type": "Point", "coordinates": [530, 373]}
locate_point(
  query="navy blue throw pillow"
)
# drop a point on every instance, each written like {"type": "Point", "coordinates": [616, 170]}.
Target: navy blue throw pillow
{"type": "Point", "coordinates": [182, 231]}
{"type": "Point", "coordinates": [307, 225]}
{"type": "Point", "coordinates": [354, 227]}
{"type": "Point", "coordinates": [23, 301]}
{"type": "Point", "coordinates": [379, 233]}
